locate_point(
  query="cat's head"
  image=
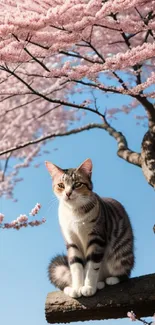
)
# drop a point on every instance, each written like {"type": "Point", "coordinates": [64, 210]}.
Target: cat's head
{"type": "Point", "coordinates": [73, 184]}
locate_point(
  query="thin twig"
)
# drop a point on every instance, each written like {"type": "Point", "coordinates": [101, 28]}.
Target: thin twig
{"type": "Point", "coordinates": [76, 55]}
{"type": "Point", "coordinates": [35, 59]}
{"type": "Point", "coordinates": [5, 166]}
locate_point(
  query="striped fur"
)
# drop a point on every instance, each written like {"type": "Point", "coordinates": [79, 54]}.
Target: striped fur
{"type": "Point", "coordinates": [97, 232]}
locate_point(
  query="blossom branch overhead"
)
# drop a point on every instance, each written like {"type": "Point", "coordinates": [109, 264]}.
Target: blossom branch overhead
{"type": "Point", "coordinates": [50, 52]}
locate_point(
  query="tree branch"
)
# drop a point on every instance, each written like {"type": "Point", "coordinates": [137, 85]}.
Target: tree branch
{"type": "Point", "coordinates": [123, 151]}
{"type": "Point", "coordinates": [111, 302]}
{"type": "Point", "coordinates": [35, 92]}
{"type": "Point", "coordinates": [148, 157]}
{"type": "Point", "coordinates": [146, 20]}
{"type": "Point", "coordinates": [76, 55]}
{"type": "Point", "coordinates": [98, 86]}
{"type": "Point", "coordinates": [30, 102]}
{"type": "Point", "coordinates": [149, 108]}
{"type": "Point", "coordinates": [49, 136]}
{"type": "Point", "coordinates": [120, 80]}
{"type": "Point", "coordinates": [36, 60]}
{"type": "Point", "coordinates": [5, 166]}
{"type": "Point", "coordinates": [127, 42]}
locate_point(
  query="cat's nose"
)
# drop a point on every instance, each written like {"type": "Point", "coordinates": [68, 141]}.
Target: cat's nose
{"type": "Point", "coordinates": [68, 193]}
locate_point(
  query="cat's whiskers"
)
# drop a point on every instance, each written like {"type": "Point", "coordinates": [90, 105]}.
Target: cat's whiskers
{"type": "Point", "coordinates": [52, 203]}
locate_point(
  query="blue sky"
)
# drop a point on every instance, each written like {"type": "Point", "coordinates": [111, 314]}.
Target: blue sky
{"type": "Point", "coordinates": [25, 254]}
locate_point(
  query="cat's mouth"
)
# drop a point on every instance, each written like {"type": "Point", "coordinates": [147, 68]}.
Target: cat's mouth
{"type": "Point", "coordinates": [67, 198]}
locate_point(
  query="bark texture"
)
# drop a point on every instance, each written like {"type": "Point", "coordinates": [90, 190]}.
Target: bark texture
{"type": "Point", "coordinates": [136, 294]}
{"type": "Point", "coordinates": [148, 157]}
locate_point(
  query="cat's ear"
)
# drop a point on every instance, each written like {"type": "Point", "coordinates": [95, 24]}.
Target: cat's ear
{"type": "Point", "coordinates": [54, 170]}
{"type": "Point", "coordinates": [86, 167]}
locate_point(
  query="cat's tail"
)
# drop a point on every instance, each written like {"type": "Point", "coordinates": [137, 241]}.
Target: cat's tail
{"type": "Point", "coordinates": [59, 272]}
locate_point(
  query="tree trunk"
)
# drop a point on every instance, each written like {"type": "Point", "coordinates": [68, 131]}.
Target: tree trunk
{"type": "Point", "coordinates": [148, 157]}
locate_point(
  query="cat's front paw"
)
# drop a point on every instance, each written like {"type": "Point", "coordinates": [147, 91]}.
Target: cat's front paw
{"type": "Point", "coordinates": [88, 291]}
{"type": "Point", "coordinates": [100, 285]}
{"type": "Point", "coordinates": [112, 280]}
{"type": "Point", "coordinates": [73, 293]}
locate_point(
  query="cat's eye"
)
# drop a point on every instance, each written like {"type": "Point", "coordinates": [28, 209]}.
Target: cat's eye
{"type": "Point", "coordinates": [61, 185]}
{"type": "Point", "coordinates": [78, 184]}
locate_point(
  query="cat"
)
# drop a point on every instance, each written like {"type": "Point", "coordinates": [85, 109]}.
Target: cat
{"type": "Point", "coordinates": [97, 231]}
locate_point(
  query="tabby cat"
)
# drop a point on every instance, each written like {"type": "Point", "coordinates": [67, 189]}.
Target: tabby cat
{"type": "Point", "coordinates": [97, 232]}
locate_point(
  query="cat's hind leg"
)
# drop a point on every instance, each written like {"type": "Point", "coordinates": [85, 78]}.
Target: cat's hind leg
{"type": "Point", "coordinates": [112, 280]}
{"type": "Point", "coordinates": [119, 268]}
{"type": "Point", "coordinates": [100, 285]}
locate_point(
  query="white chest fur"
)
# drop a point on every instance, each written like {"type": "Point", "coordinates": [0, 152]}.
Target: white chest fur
{"type": "Point", "coordinates": [75, 227]}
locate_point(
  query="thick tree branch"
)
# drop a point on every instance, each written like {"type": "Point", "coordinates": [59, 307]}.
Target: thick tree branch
{"type": "Point", "coordinates": [124, 51]}
{"type": "Point", "coordinates": [148, 157]}
{"type": "Point", "coordinates": [149, 108]}
{"type": "Point", "coordinates": [111, 302]}
{"type": "Point", "coordinates": [53, 135]}
{"type": "Point", "coordinates": [123, 150]}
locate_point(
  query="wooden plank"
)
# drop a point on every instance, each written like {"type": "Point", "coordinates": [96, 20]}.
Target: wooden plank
{"type": "Point", "coordinates": [137, 294]}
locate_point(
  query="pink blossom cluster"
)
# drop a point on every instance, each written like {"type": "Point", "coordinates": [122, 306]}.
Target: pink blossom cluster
{"type": "Point", "coordinates": [133, 317]}
{"type": "Point", "coordinates": [1, 217]}
{"type": "Point", "coordinates": [35, 210]}
{"type": "Point", "coordinates": [74, 20]}
{"type": "Point", "coordinates": [48, 52]}
{"type": "Point", "coordinates": [30, 113]}
{"type": "Point", "coordinates": [22, 220]}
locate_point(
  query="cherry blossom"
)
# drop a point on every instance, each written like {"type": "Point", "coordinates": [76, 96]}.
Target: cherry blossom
{"type": "Point", "coordinates": [133, 317]}
{"type": "Point", "coordinates": [52, 50]}
{"type": "Point", "coordinates": [22, 220]}
{"type": "Point", "coordinates": [1, 217]}
{"type": "Point", "coordinates": [35, 210]}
